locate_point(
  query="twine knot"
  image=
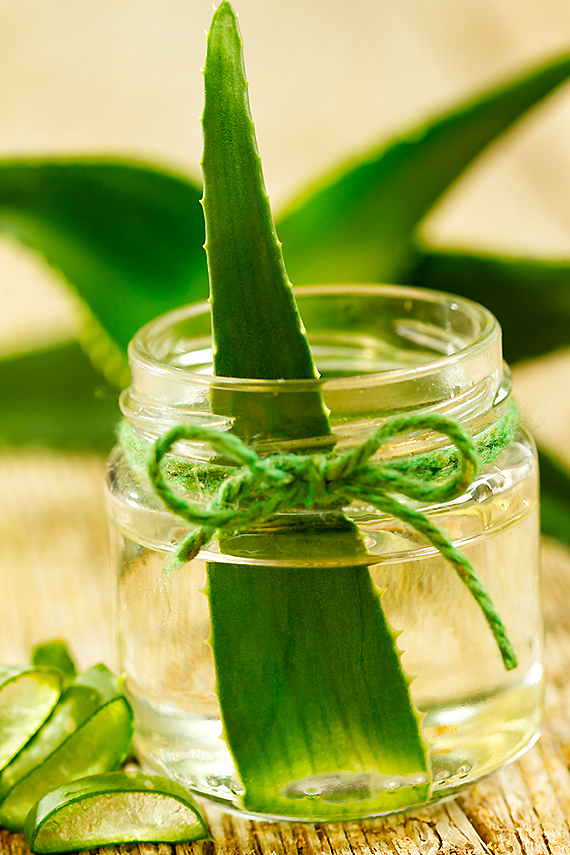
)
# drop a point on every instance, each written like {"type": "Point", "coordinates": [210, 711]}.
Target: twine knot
{"type": "Point", "coordinates": [280, 482]}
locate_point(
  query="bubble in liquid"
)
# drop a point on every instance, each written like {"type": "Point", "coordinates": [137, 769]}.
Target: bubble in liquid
{"type": "Point", "coordinates": [312, 790]}
{"type": "Point", "coordinates": [464, 770]}
{"type": "Point", "coordinates": [212, 781]}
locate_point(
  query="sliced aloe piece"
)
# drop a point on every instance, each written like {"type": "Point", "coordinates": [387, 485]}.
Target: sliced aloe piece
{"type": "Point", "coordinates": [303, 696]}
{"type": "Point", "coordinates": [113, 808]}
{"type": "Point", "coordinates": [27, 697]}
{"type": "Point", "coordinates": [55, 654]}
{"type": "Point", "coordinates": [89, 732]}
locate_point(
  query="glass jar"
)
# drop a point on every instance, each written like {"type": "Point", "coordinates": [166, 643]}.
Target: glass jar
{"type": "Point", "coordinates": [381, 351]}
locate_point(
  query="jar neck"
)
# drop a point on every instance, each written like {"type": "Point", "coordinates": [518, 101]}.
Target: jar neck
{"type": "Point", "coordinates": [381, 351]}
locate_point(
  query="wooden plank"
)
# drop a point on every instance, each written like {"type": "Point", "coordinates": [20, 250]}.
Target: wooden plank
{"type": "Point", "coordinates": [486, 809]}
{"type": "Point", "coordinates": [524, 818]}
{"type": "Point", "coordinates": [545, 802]}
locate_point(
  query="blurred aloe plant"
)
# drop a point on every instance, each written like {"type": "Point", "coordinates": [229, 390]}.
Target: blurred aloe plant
{"type": "Point", "coordinates": [127, 238]}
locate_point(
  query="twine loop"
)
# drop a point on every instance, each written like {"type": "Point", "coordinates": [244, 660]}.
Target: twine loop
{"type": "Point", "coordinates": [280, 482]}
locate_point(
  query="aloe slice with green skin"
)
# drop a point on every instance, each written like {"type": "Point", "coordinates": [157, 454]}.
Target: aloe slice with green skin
{"type": "Point", "coordinates": [89, 732]}
{"type": "Point", "coordinates": [111, 809]}
{"type": "Point", "coordinates": [311, 690]}
{"type": "Point", "coordinates": [27, 697]}
{"type": "Point", "coordinates": [55, 654]}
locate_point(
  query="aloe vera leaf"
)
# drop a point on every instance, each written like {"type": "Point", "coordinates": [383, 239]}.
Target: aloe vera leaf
{"type": "Point", "coordinates": [127, 237]}
{"type": "Point", "coordinates": [256, 326]}
{"type": "Point", "coordinates": [554, 497]}
{"type": "Point", "coordinates": [82, 697]}
{"type": "Point", "coordinates": [531, 299]}
{"type": "Point", "coordinates": [357, 225]}
{"type": "Point", "coordinates": [245, 261]}
{"type": "Point", "coordinates": [55, 397]}
{"type": "Point", "coordinates": [275, 631]}
{"type": "Point", "coordinates": [113, 808]}
{"type": "Point", "coordinates": [323, 721]}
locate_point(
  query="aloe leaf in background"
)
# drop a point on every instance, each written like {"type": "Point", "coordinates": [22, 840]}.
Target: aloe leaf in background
{"type": "Point", "coordinates": [126, 236]}
{"type": "Point", "coordinates": [358, 224]}
{"type": "Point", "coordinates": [308, 676]}
{"type": "Point", "coordinates": [530, 298]}
{"type": "Point", "coordinates": [128, 239]}
{"type": "Point", "coordinates": [55, 397]}
{"type": "Point", "coordinates": [554, 497]}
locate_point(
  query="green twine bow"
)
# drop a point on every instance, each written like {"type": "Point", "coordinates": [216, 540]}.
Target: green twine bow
{"type": "Point", "coordinates": [281, 482]}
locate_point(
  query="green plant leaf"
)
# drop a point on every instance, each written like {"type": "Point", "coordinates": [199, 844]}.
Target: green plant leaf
{"type": "Point", "coordinates": [55, 397]}
{"type": "Point", "coordinates": [323, 721]}
{"type": "Point", "coordinates": [127, 237]}
{"type": "Point", "coordinates": [301, 696]}
{"type": "Point", "coordinates": [531, 299]}
{"type": "Point", "coordinates": [27, 697]}
{"type": "Point", "coordinates": [554, 497]}
{"type": "Point", "coordinates": [256, 326]}
{"type": "Point", "coordinates": [358, 224]}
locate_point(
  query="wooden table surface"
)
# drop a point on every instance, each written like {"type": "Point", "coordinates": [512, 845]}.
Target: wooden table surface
{"type": "Point", "coordinates": [54, 582]}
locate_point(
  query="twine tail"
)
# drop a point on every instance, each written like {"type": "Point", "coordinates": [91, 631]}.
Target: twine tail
{"type": "Point", "coordinates": [462, 567]}
{"type": "Point", "coordinates": [188, 549]}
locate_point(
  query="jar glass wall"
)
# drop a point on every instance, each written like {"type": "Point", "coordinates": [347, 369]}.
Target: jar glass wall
{"type": "Point", "coordinates": [381, 351]}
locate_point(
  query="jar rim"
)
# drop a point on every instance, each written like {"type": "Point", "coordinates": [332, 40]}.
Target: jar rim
{"type": "Point", "coordinates": [348, 325]}
{"type": "Point", "coordinates": [488, 337]}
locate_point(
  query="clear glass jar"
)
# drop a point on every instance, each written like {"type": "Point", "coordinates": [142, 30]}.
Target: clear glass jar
{"type": "Point", "coordinates": [381, 351]}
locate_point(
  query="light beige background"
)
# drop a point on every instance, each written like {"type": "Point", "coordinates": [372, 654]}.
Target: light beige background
{"type": "Point", "coordinates": [328, 79]}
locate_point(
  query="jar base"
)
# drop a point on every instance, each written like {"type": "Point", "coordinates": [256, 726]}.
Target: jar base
{"type": "Point", "coordinates": [470, 741]}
